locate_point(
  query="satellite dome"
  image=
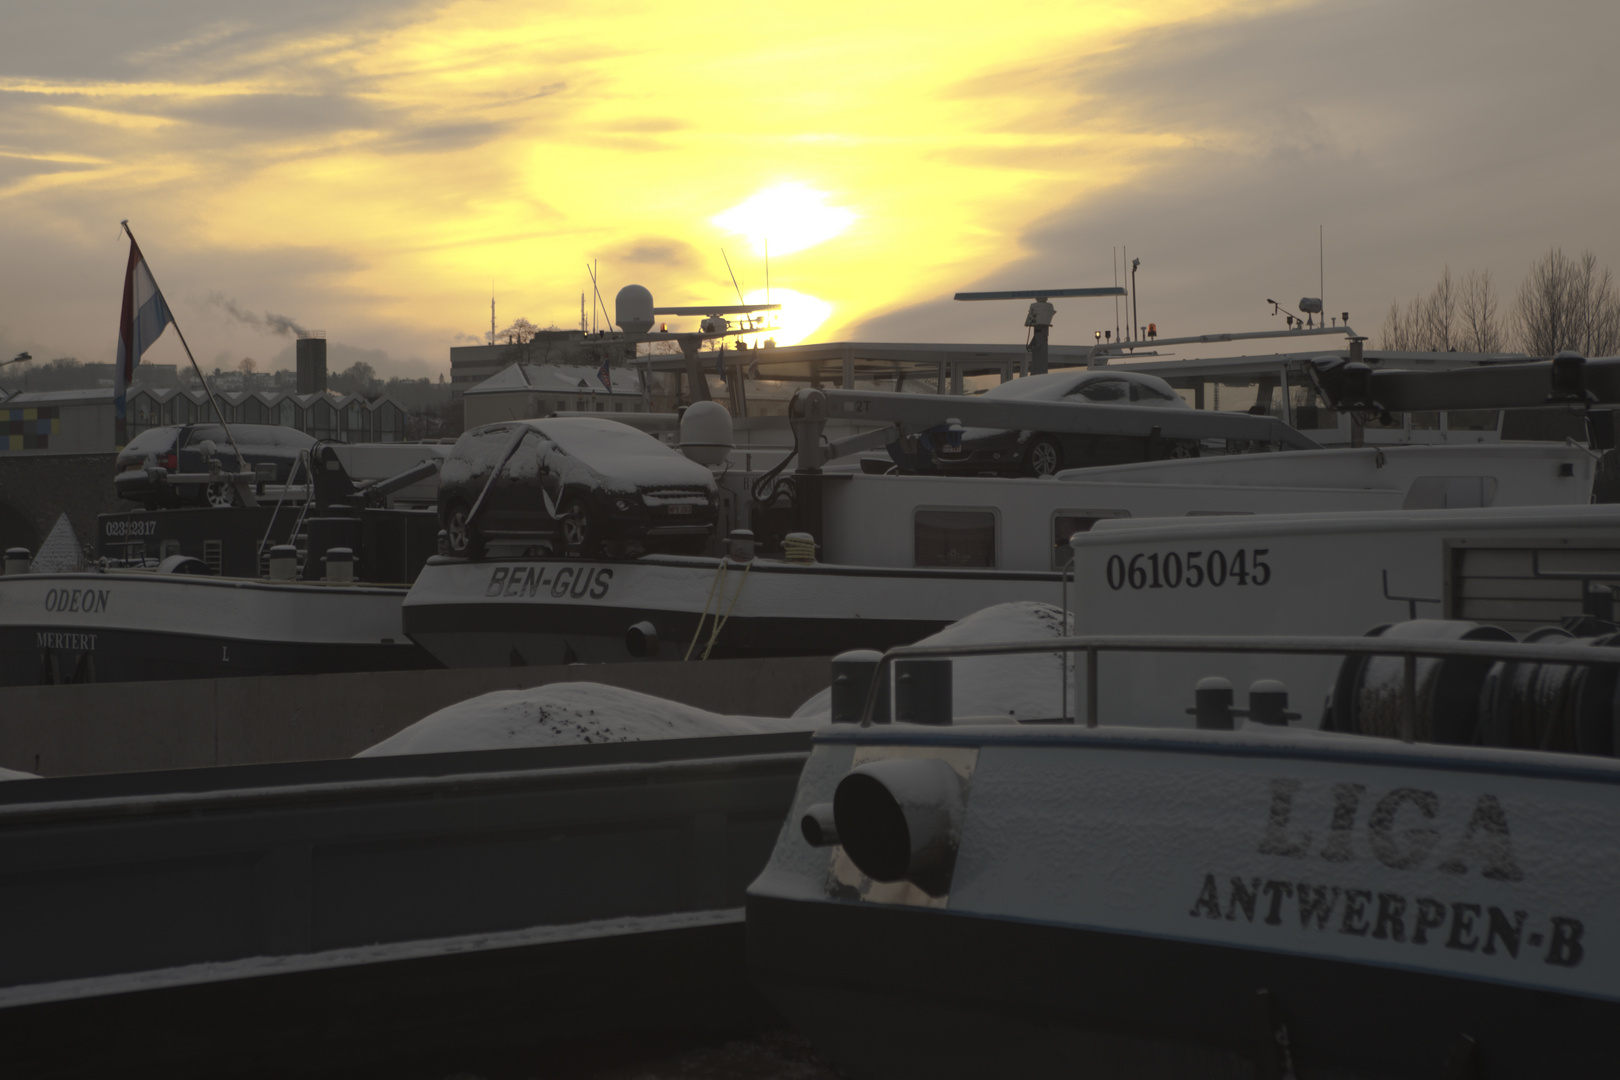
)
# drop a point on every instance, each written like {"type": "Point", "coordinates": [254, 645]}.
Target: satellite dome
{"type": "Point", "coordinates": [706, 433]}
{"type": "Point", "coordinates": [633, 309]}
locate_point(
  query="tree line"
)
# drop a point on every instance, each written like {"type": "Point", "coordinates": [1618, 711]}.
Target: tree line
{"type": "Point", "coordinates": [1563, 303]}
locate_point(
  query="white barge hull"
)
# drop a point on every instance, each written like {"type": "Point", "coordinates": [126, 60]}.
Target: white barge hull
{"type": "Point", "coordinates": [123, 627]}
{"type": "Point", "coordinates": [1119, 899]}
{"type": "Point", "coordinates": [495, 612]}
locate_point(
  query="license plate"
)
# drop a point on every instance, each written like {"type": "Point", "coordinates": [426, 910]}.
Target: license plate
{"type": "Point", "coordinates": [680, 508]}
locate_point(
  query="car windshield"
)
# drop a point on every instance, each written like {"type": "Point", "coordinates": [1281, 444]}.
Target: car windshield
{"type": "Point", "coordinates": [159, 440]}
{"type": "Point", "coordinates": [599, 443]}
{"type": "Point", "coordinates": [1103, 390]}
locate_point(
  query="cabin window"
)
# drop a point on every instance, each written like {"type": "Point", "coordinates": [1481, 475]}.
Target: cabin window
{"type": "Point", "coordinates": [1450, 492]}
{"type": "Point", "coordinates": [1424, 421]}
{"type": "Point", "coordinates": [1065, 523]}
{"type": "Point", "coordinates": [1103, 390]}
{"type": "Point", "coordinates": [1472, 420]}
{"type": "Point", "coordinates": [955, 538]}
{"type": "Point", "coordinates": [1309, 411]}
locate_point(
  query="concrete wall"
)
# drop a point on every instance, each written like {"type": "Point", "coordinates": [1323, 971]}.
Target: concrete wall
{"type": "Point", "coordinates": [35, 490]}
{"type": "Point", "coordinates": [130, 727]}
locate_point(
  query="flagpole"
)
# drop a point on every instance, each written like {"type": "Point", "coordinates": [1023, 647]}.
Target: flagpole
{"type": "Point", "coordinates": [241, 462]}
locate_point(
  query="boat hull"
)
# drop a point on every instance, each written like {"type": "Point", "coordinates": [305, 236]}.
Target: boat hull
{"type": "Point", "coordinates": [940, 996]}
{"type": "Point", "coordinates": [495, 612]}
{"type": "Point", "coordinates": [131, 627]}
{"type": "Point", "coordinates": [1136, 902]}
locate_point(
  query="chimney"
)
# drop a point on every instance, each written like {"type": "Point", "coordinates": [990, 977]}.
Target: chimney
{"type": "Point", "coordinates": [312, 362]}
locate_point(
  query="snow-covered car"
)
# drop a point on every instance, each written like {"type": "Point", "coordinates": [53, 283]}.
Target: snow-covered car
{"type": "Point", "coordinates": [145, 465]}
{"type": "Point", "coordinates": [583, 485]}
{"type": "Point", "coordinates": [1041, 453]}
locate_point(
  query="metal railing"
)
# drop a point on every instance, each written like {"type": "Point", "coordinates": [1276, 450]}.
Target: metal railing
{"type": "Point", "coordinates": [1093, 644]}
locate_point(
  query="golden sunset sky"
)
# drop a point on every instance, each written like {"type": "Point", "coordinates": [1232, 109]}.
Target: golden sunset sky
{"type": "Point", "coordinates": [376, 170]}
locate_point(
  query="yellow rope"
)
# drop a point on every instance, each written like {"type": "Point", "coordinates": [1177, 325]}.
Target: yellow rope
{"type": "Point", "coordinates": [720, 624]}
{"type": "Point", "coordinates": [698, 632]}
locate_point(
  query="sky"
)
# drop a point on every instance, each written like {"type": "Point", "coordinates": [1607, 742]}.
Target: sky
{"type": "Point", "coordinates": [380, 170]}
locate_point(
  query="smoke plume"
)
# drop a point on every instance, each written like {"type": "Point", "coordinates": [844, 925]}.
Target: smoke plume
{"type": "Point", "coordinates": [268, 323]}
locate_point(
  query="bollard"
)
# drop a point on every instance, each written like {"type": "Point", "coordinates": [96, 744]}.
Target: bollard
{"type": "Point", "coordinates": [740, 545]}
{"type": "Point", "coordinates": [339, 564]}
{"type": "Point", "coordinates": [1213, 697]}
{"type": "Point", "coordinates": [283, 562]}
{"type": "Point", "coordinates": [1268, 703]}
{"type": "Point", "coordinates": [17, 560]}
{"type": "Point", "coordinates": [852, 674]}
{"type": "Point", "coordinates": [922, 692]}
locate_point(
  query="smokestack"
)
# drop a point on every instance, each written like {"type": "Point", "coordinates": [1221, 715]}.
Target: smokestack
{"type": "Point", "coordinates": [312, 362]}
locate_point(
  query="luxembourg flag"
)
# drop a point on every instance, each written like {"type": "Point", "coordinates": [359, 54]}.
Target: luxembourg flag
{"type": "Point", "coordinates": [144, 318]}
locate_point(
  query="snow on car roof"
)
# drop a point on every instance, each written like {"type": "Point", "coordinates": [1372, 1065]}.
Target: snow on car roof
{"type": "Point", "coordinates": [615, 449]}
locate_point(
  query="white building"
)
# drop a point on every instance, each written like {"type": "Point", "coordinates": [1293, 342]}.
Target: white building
{"type": "Point", "coordinates": [523, 391]}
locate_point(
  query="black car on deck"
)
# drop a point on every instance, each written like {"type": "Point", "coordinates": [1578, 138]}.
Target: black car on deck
{"type": "Point", "coordinates": [152, 457]}
{"type": "Point", "coordinates": [1038, 453]}
{"type": "Point", "coordinates": [581, 485]}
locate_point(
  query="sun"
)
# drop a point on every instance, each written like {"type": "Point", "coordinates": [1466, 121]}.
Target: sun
{"type": "Point", "coordinates": [801, 315]}
{"type": "Point", "coordinates": [788, 217]}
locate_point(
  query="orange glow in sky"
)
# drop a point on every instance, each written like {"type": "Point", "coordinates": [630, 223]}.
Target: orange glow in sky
{"type": "Point", "coordinates": [379, 175]}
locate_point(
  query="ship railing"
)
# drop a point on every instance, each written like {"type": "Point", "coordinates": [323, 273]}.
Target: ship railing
{"type": "Point", "coordinates": [1094, 645]}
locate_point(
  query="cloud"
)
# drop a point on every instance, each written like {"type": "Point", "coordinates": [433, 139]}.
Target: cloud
{"type": "Point", "coordinates": [1421, 136]}
{"type": "Point", "coordinates": [660, 251]}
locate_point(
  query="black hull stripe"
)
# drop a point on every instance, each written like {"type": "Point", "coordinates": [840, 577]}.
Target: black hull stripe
{"type": "Point", "coordinates": [909, 992]}
{"type": "Point", "coordinates": [787, 635]}
{"type": "Point", "coordinates": [141, 656]}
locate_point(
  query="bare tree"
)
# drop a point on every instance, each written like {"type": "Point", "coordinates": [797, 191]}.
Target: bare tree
{"type": "Point", "coordinates": [1449, 319]}
{"type": "Point", "coordinates": [1567, 303]}
{"type": "Point", "coordinates": [248, 365]}
{"type": "Point", "coordinates": [1438, 316]}
{"type": "Point", "coordinates": [1480, 327]}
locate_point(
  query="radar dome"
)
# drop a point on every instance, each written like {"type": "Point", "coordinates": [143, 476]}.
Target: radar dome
{"type": "Point", "coordinates": [633, 309]}
{"type": "Point", "coordinates": [706, 433]}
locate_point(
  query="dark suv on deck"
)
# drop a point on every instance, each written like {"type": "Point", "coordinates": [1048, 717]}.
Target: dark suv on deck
{"type": "Point", "coordinates": [583, 485]}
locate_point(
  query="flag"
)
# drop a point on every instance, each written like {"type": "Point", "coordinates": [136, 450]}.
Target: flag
{"type": "Point", "coordinates": [145, 316]}
{"type": "Point", "coordinates": [603, 377]}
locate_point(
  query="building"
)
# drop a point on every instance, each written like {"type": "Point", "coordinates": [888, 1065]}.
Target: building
{"type": "Point", "coordinates": [472, 364]}
{"type": "Point", "coordinates": [522, 391]}
{"type": "Point", "coordinates": [81, 421]}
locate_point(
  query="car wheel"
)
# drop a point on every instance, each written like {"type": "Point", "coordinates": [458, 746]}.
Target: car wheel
{"type": "Point", "coordinates": [1045, 456]}
{"type": "Point", "coordinates": [575, 523]}
{"type": "Point", "coordinates": [461, 534]}
{"type": "Point", "coordinates": [221, 495]}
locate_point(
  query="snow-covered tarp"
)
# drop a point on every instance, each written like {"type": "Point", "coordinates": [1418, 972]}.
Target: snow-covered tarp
{"type": "Point", "coordinates": [1021, 687]}
{"type": "Point", "coordinates": [60, 553]}
{"type": "Point", "coordinates": [561, 714]}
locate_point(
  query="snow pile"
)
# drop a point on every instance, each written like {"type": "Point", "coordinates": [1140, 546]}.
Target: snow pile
{"type": "Point", "coordinates": [1020, 687]}
{"type": "Point", "coordinates": [565, 714]}
{"type": "Point", "coordinates": [60, 553]}
{"type": "Point", "coordinates": [15, 774]}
